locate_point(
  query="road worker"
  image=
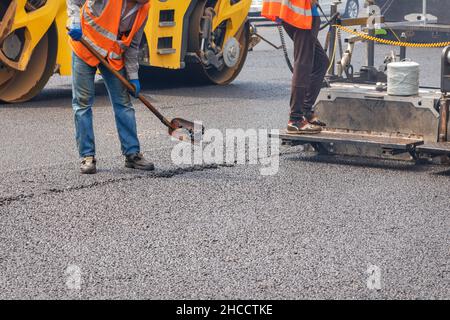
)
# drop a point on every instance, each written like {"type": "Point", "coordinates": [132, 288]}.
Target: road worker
{"type": "Point", "coordinates": [301, 20]}
{"type": "Point", "coordinates": [115, 29]}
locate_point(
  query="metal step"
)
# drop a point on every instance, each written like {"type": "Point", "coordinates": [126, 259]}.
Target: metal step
{"type": "Point", "coordinates": [331, 136]}
{"type": "Point", "coordinates": [438, 148]}
{"type": "Point", "coordinates": [166, 51]}
{"type": "Point", "coordinates": [167, 24]}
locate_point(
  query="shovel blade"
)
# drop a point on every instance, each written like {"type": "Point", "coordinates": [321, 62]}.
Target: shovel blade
{"type": "Point", "coordinates": [187, 131]}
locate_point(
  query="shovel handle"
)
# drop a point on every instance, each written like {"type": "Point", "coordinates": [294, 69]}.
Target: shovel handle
{"type": "Point", "coordinates": [126, 83]}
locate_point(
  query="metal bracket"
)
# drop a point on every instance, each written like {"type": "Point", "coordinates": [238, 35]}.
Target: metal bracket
{"type": "Point", "coordinates": [443, 119]}
{"type": "Point", "coordinates": [445, 71]}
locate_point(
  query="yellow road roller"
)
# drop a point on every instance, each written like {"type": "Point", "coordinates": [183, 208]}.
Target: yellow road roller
{"type": "Point", "coordinates": [208, 39]}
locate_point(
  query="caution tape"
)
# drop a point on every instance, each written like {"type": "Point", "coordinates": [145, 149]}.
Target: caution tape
{"type": "Point", "coordinates": [393, 43]}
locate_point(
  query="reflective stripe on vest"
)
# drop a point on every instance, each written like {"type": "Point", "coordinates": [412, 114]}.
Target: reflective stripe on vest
{"type": "Point", "coordinates": [100, 50]}
{"type": "Point", "coordinates": [102, 33]}
{"type": "Point", "coordinates": [107, 34]}
{"type": "Point", "coordinates": [294, 12]}
{"type": "Point", "coordinates": [115, 56]}
{"type": "Point", "coordinates": [122, 45]}
{"type": "Point", "coordinates": [293, 7]}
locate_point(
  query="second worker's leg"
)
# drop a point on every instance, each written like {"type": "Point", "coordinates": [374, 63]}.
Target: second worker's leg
{"type": "Point", "coordinates": [303, 64]}
{"type": "Point", "coordinates": [320, 65]}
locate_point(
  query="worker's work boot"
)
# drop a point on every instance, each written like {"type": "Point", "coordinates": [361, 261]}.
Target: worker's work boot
{"type": "Point", "coordinates": [313, 119]}
{"type": "Point", "coordinates": [137, 161]}
{"type": "Point", "coordinates": [302, 127]}
{"type": "Point", "coordinates": [88, 165]}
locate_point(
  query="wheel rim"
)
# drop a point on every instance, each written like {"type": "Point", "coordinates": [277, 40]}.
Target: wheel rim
{"type": "Point", "coordinates": [212, 75]}
{"type": "Point", "coordinates": [227, 75]}
{"type": "Point", "coordinates": [20, 86]}
{"type": "Point", "coordinates": [352, 9]}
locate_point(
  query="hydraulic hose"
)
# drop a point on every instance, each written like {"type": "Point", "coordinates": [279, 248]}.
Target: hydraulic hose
{"type": "Point", "coordinates": [283, 45]}
{"type": "Point", "coordinates": [283, 39]}
{"type": "Point", "coordinates": [329, 22]}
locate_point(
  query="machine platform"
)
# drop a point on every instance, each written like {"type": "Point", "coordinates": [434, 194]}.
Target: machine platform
{"type": "Point", "coordinates": [438, 148]}
{"type": "Point", "coordinates": [394, 142]}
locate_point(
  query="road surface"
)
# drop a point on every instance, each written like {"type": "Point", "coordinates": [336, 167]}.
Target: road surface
{"type": "Point", "coordinates": [322, 227]}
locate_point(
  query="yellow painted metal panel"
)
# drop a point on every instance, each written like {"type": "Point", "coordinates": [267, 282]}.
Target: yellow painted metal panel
{"type": "Point", "coordinates": [154, 32]}
{"type": "Point", "coordinates": [235, 15]}
{"type": "Point", "coordinates": [38, 22]}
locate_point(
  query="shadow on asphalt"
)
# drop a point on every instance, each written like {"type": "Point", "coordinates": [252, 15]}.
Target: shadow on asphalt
{"type": "Point", "coordinates": [248, 90]}
{"type": "Point", "coordinates": [53, 96]}
{"type": "Point", "coordinates": [445, 173]}
{"type": "Point", "coordinates": [391, 165]}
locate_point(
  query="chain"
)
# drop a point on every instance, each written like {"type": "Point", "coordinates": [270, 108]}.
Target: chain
{"type": "Point", "coordinates": [393, 43]}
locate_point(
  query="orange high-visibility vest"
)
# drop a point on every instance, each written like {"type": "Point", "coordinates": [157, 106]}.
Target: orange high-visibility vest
{"type": "Point", "coordinates": [297, 13]}
{"type": "Point", "coordinates": [102, 33]}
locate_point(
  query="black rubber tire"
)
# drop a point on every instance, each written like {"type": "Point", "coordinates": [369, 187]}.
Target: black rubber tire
{"type": "Point", "coordinates": [48, 46]}
{"type": "Point", "coordinates": [194, 74]}
{"type": "Point", "coordinates": [197, 71]}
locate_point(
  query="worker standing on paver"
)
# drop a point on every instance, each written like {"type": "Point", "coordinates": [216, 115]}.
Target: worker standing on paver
{"type": "Point", "coordinates": [115, 29]}
{"type": "Point", "coordinates": [301, 20]}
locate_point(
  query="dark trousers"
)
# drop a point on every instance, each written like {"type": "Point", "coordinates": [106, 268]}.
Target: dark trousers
{"type": "Point", "coordinates": [310, 66]}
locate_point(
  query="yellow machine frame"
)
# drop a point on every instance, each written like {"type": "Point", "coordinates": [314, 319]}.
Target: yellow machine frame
{"type": "Point", "coordinates": [39, 21]}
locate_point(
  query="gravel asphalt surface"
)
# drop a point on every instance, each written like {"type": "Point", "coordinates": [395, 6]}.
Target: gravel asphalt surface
{"type": "Point", "coordinates": [313, 230]}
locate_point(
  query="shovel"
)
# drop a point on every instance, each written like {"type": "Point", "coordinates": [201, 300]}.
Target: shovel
{"type": "Point", "coordinates": [180, 129]}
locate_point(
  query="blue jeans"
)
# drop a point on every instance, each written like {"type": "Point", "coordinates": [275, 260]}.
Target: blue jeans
{"type": "Point", "coordinates": [83, 90]}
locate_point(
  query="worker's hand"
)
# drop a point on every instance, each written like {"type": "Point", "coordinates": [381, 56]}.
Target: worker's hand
{"type": "Point", "coordinates": [314, 2]}
{"type": "Point", "coordinates": [75, 32]}
{"type": "Point", "coordinates": [137, 86]}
